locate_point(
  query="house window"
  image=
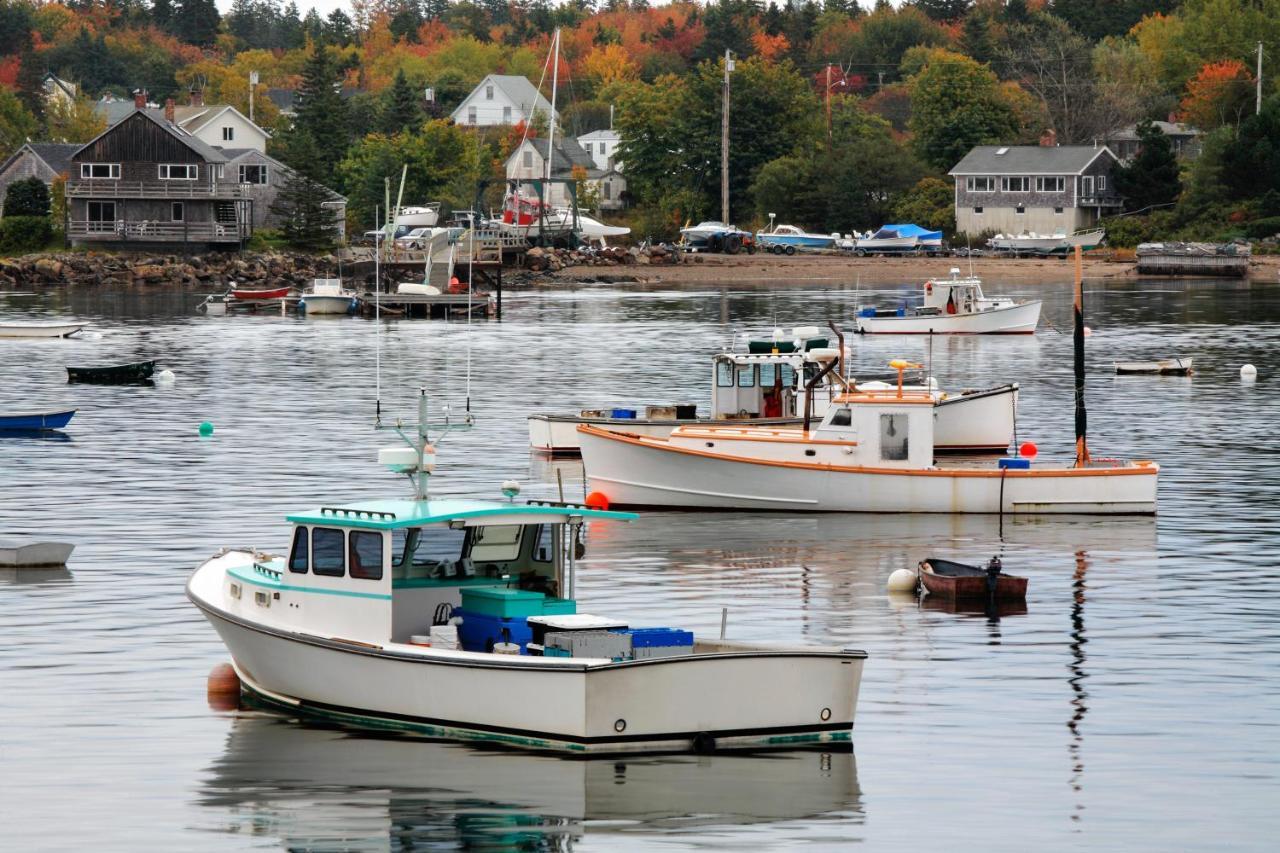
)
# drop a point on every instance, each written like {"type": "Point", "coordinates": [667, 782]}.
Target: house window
{"type": "Point", "coordinates": [364, 554]}
{"type": "Point", "coordinates": [1051, 185]}
{"type": "Point", "coordinates": [977, 211]}
{"type": "Point", "coordinates": [298, 555]}
{"type": "Point", "coordinates": [1020, 209]}
{"type": "Point", "coordinates": [176, 211]}
{"type": "Point", "coordinates": [471, 115]}
{"type": "Point", "coordinates": [253, 174]}
{"type": "Point", "coordinates": [981, 185]}
{"type": "Point", "coordinates": [1057, 210]}
{"type": "Point", "coordinates": [606, 190]}
{"type": "Point", "coordinates": [1102, 183]}
{"type": "Point", "coordinates": [528, 159]}
{"type": "Point", "coordinates": [1086, 185]}
{"type": "Point", "coordinates": [1015, 185]}
{"type": "Point", "coordinates": [506, 115]}
{"type": "Point", "coordinates": [228, 134]}
{"type": "Point", "coordinates": [488, 93]}
{"type": "Point", "coordinates": [179, 171]}
{"type": "Point", "coordinates": [326, 551]}
{"type": "Point", "coordinates": [106, 171]}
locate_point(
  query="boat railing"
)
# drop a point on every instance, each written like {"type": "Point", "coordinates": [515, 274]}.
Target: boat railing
{"type": "Point", "coordinates": [267, 571]}
{"type": "Point", "coordinates": [363, 514]}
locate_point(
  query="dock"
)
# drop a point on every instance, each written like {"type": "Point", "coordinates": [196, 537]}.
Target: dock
{"type": "Point", "coordinates": [1207, 260]}
{"type": "Point", "coordinates": [429, 306]}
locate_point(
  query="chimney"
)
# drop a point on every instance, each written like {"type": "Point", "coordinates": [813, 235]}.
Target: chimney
{"type": "Point", "coordinates": [197, 97]}
{"type": "Point", "coordinates": [140, 99]}
{"type": "Point", "coordinates": [168, 110]}
{"type": "Point", "coordinates": [1049, 139]}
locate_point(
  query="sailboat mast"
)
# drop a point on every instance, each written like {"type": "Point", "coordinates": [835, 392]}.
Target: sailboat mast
{"type": "Point", "coordinates": [551, 120]}
{"type": "Point", "coordinates": [1082, 419]}
{"type": "Point", "coordinates": [724, 142]}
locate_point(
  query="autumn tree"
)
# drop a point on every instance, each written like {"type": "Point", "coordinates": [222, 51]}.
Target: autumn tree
{"type": "Point", "coordinates": [1151, 180]}
{"type": "Point", "coordinates": [17, 125]}
{"type": "Point", "coordinates": [1221, 93]}
{"type": "Point", "coordinates": [957, 104]}
{"type": "Point", "coordinates": [73, 121]}
{"type": "Point", "coordinates": [929, 204]}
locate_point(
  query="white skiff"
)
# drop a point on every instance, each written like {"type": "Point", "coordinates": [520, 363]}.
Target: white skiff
{"type": "Point", "coordinates": [39, 330]}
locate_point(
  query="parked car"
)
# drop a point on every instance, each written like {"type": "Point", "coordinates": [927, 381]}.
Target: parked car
{"type": "Point", "coordinates": [417, 238]}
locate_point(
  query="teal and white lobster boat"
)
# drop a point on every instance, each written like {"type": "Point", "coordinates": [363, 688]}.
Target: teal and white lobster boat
{"type": "Point", "coordinates": [457, 619]}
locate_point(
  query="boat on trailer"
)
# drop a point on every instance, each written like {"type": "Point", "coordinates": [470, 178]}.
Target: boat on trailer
{"type": "Point", "coordinates": [955, 306]}
{"type": "Point", "coordinates": [360, 623]}
{"type": "Point", "coordinates": [39, 330]}
{"type": "Point", "coordinates": [765, 386]}
{"type": "Point", "coordinates": [1059, 243]}
{"type": "Point", "coordinates": [786, 239]}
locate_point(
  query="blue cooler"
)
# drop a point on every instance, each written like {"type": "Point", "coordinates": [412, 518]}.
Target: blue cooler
{"type": "Point", "coordinates": [479, 632]}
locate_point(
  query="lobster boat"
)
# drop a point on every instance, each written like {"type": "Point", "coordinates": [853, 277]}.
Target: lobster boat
{"type": "Point", "coordinates": [955, 306]}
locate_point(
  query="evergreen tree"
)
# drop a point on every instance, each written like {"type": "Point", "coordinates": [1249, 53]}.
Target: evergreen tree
{"type": "Point", "coordinates": [305, 221]}
{"type": "Point", "coordinates": [1251, 167]}
{"type": "Point", "coordinates": [321, 113]}
{"type": "Point", "coordinates": [313, 26]}
{"type": "Point", "coordinates": [401, 108]}
{"type": "Point", "coordinates": [406, 20]}
{"type": "Point", "coordinates": [15, 27]}
{"type": "Point", "coordinates": [1152, 178]}
{"type": "Point", "coordinates": [290, 35]}
{"type": "Point", "coordinates": [196, 21]}
{"type": "Point", "coordinates": [162, 14]}
{"type": "Point", "coordinates": [338, 29]}
{"type": "Point", "coordinates": [30, 82]}
{"type": "Point", "coordinates": [28, 197]}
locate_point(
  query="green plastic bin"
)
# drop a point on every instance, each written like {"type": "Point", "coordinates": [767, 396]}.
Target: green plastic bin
{"type": "Point", "coordinates": [503, 603]}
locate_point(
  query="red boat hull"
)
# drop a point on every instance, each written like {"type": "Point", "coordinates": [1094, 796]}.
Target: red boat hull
{"type": "Point", "coordinates": [972, 586]}
{"type": "Point", "coordinates": [273, 293]}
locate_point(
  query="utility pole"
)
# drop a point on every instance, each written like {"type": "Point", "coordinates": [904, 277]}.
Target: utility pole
{"type": "Point", "coordinates": [828, 104]}
{"type": "Point", "coordinates": [724, 143]}
{"type": "Point", "coordinates": [1258, 107]}
{"type": "Point", "coordinates": [253, 84]}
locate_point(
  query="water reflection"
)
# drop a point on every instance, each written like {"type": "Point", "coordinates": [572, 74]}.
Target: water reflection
{"type": "Point", "coordinates": [1077, 680]}
{"type": "Point", "coordinates": [311, 787]}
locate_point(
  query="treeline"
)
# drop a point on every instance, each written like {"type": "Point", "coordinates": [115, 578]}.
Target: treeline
{"type": "Point", "coordinates": [844, 113]}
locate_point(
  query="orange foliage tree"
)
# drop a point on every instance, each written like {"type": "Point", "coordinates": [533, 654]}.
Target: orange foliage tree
{"type": "Point", "coordinates": [1221, 93]}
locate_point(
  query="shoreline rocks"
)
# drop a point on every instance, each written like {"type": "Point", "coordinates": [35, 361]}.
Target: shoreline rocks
{"type": "Point", "coordinates": [93, 268]}
{"type": "Point", "coordinates": [540, 259]}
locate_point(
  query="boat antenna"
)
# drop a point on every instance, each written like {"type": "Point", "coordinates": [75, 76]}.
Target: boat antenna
{"type": "Point", "coordinates": [1082, 418]}
{"type": "Point", "coordinates": [968, 250]}
{"type": "Point", "coordinates": [377, 326]}
{"type": "Point", "coordinates": [471, 268]}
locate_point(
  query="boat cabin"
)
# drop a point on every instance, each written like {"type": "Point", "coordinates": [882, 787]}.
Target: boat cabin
{"type": "Point", "coordinates": [953, 296]}
{"type": "Point", "coordinates": [892, 428]}
{"type": "Point", "coordinates": [768, 380]}
{"type": "Point", "coordinates": [386, 571]}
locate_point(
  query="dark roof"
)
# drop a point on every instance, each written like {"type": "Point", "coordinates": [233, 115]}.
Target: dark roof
{"type": "Point", "coordinates": [1029, 159]}
{"type": "Point", "coordinates": [56, 154]}
{"type": "Point", "coordinates": [284, 99]}
{"type": "Point", "coordinates": [567, 155]}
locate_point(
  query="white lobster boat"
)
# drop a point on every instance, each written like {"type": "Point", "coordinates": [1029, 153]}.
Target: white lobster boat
{"type": "Point", "coordinates": [873, 452]}
{"type": "Point", "coordinates": [328, 296]}
{"type": "Point", "coordinates": [359, 624]}
{"type": "Point", "coordinates": [764, 388]}
{"type": "Point", "coordinates": [1046, 244]}
{"type": "Point", "coordinates": [954, 306]}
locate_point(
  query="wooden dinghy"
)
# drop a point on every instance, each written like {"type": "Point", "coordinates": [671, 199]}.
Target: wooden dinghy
{"type": "Point", "coordinates": [35, 421]}
{"type": "Point", "coordinates": [1162, 367]}
{"type": "Point", "coordinates": [959, 581]}
{"type": "Point", "coordinates": [260, 293]}
{"type": "Point", "coordinates": [113, 374]}
{"type": "Point", "coordinates": [37, 555]}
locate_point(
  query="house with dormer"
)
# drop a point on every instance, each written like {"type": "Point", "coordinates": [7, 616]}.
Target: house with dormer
{"type": "Point", "coordinates": [502, 99]}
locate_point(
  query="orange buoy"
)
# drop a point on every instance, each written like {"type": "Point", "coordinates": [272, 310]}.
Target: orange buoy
{"type": "Point", "coordinates": [224, 688]}
{"type": "Point", "coordinates": [1028, 449]}
{"type": "Point", "coordinates": [597, 500]}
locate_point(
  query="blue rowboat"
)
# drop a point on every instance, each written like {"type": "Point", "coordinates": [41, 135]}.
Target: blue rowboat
{"type": "Point", "coordinates": [788, 238]}
{"type": "Point", "coordinates": [36, 421]}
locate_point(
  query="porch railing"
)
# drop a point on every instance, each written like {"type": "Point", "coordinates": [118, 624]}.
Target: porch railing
{"type": "Point", "coordinates": [166, 232]}
{"type": "Point", "coordinates": [156, 189]}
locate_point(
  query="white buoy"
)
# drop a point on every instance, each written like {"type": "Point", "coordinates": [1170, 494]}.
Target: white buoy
{"type": "Point", "coordinates": [1248, 371]}
{"type": "Point", "coordinates": [902, 580]}
{"type": "Point", "coordinates": [165, 377]}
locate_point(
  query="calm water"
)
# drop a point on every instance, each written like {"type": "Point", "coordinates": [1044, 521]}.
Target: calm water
{"type": "Point", "coordinates": [1134, 705]}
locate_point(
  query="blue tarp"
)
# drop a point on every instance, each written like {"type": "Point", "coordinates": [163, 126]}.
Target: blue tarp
{"type": "Point", "coordinates": [913, 231]}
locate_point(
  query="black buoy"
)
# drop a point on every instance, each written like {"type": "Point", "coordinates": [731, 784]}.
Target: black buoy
{"type": "Point", "coordinates": [704, 743]}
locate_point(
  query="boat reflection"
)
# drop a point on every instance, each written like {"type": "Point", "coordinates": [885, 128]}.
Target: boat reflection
{"type": "Point", "coordinates": [321, 788]}
{"type": "Point", "coordinates": [35, 435]}
{"type": "Point", "coordinates": [1077, 681]}
{"type": "Point", "coordinates": [44, 574]}
{"type": "Point", "coordinates": [994, 611]}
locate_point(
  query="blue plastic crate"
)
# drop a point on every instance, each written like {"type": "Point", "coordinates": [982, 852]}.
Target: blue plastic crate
{"type": "Point", "coordinates": [478, 631]}
{"type": "Point", "coordinates": [867, 312]}
{"type": "Point", "coordinates": [627, 414]}
{"type": "Point", "coordinates": [643, 638]}
{"type": "Point", "coordinates": [1018, 463]}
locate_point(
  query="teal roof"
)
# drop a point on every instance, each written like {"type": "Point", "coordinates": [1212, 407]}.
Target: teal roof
{"type": "Point", "coordinates": [389, 515]}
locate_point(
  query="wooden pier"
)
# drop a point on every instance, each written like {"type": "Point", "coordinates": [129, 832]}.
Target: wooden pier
{"type": "Point", "coordinates": [429, 306]}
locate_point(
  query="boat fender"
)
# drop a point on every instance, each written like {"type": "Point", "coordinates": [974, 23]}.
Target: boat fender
{"type": "Point", "coordinates": [928, 288]}
{"type": "Point", "coordinates": [704, 743]}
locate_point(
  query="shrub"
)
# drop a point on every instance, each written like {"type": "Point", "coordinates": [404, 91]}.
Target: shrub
{"type": "Point", "coordinates": [28, 197]}
{"type": "Point", "coordinates": [1260, 229]}
{"type": "Point", "coordinates": [24, 234]}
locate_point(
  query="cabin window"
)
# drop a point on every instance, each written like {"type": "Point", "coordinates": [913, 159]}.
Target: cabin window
{"type": "Point", "coordinates": [747, 376]}
{"type": "Point", "coordinates": [364, 555]}
{"type": "Point", "coordinates": [977, 211]}
{"type": "Point", "coordinates": [179, 171]}
{"type": "Point", "coordinates": [108, 171]}
{"type": "Point", "coordinates": [893, 436]}
{"type": "Point", "coordinates": [981, 185]}
{"type": "Point", "coordinates": [496, 544]}
{"type": "Point", "coordinates": [327, 551]}
{"type": "Point", "coordinates": [768, 375]}
{"type": "Point", "coordinates": [842, 418]}
{"type": "Point", "coordinates": [426, 546]}
{"type": "Point", "coordinates": [544, 546]}
{"type": "Point", "coordinates": [1051, 185]}
{"type": "Point", "coordinates": [788, 376]}
{"type": "Point", "coordinates": [724, 374]}
{"type": "Point", "coordinates": [1020, 209]}
{"type": "Point", "coordinates": [298, 554]}
{"type": "Point", "coordinates": [253, 174]}
{"type": "Point", "coordinates": [176, 211]}
{"type": "Point", "coordinates": [228, 134]}
{"type": "Point", "coordinates": [1015, 185]}
{"type": "Point", "coordinates": [1057, 210]}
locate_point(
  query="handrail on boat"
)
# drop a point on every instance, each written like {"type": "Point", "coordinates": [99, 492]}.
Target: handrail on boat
{"type": "Point", "coordinates": [357, 513]}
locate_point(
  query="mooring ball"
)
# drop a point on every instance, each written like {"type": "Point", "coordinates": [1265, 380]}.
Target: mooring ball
{"type": "Point", "coordinates": [902, 580]}
{"type": "Point", "coordinates": [1248, 371]}
{"type": "Point", "coordinates": [223, 688]}
{"type": "Point", "coordinates": [1028, 449]}
{"type": "Point", "coordinates": [206, 429]}
{"type": "Point", "coordinates": [597, 500]}
{"type": "Point", "coordinates": [165, 377]}
{"type": "Point", "coordinates": [1087, 331]}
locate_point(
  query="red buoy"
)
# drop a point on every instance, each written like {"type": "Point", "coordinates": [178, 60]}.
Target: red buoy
{"type": "Point", "coordinates": [224, 688]}
{"type": "Point", "coordinates": [597, 500]}
{"type": "Point", "coordinates": [1028, 449]}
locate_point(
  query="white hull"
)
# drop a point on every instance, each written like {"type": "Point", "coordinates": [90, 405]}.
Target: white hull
{"type": "Point", "coordinates": [1047, 245]}
{"type": "Point", "coordinates": [891, 244]}
{"type": "Point", "coordinates": [36, 555]}
{"type": "Point", "coordinates": [635, 472]}
{"type": "Point", "coordinates": [1019, 319]}
{"type": "Point", "coordinates": [982, 421]}
{"type": "Point", "coordinates": [312, 305]}
{"type": "Point", "coordinates": [566, 704]}
{"type": "Point", "coordinates": [39, 330]}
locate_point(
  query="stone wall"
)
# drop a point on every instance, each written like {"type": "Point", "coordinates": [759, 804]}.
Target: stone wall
{"type": "Point", "coordinates": [89, 269]}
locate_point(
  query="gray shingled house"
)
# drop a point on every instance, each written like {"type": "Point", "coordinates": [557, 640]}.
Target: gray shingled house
{"type": "Point", "coordinates": [43, 160]}
{"type": "Point", "coordinates": [1045, 189]}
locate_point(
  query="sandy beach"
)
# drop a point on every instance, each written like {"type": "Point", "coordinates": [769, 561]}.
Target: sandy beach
{"type": "Point", "coordinates": [834, 269]}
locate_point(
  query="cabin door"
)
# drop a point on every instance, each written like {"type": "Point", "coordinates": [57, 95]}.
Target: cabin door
{"type": "Point", "coordinates": [102, 215]}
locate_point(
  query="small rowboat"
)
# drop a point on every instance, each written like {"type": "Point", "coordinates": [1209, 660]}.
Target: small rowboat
{"type": "Point", "coordinates": [35, 421]}
{"type": "Point", "coordinates": [271, 293]}
{"type": "Point", "coordinates": [39, 330]}
{"type": "Point", "coordinates": [1163, 367]}
{"type": "Point", "coordinates": [947, 579]}
{"type": "Point", "coordinates": [113, 374]}
{"type": "Point", "coordinates": [37, 555]}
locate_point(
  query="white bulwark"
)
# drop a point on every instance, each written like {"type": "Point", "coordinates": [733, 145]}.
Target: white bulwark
{"type": "Point", "coordinates": [1043, 189]}
{"type": "Point", "coordinates": [502, 99]}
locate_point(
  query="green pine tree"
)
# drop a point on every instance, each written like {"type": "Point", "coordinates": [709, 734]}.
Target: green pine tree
{"type": "Point", "coordinates": [30, 82]}
{"type": "Point", "coordinates": [305, 221]}
{"type": "Point", "coordinates": [321, 115]}
{"type": "Point", "coordinates": [1152, 178]}
{"type": "Point", "coordinates": [400, 107]}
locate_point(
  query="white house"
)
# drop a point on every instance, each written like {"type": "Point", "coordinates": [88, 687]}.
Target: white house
{"type": "Point", "coordinates": [602, 145]}
{"type": "Point", "coordinates": [502, 99]}
{"type": "Point", "coordinates": [58, 91]}
{"type": "Point", "coordinates": [219, 124]}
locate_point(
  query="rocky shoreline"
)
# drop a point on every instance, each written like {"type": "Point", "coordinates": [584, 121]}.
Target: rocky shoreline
{"type": "Point", "coordinates": [92, 268]}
